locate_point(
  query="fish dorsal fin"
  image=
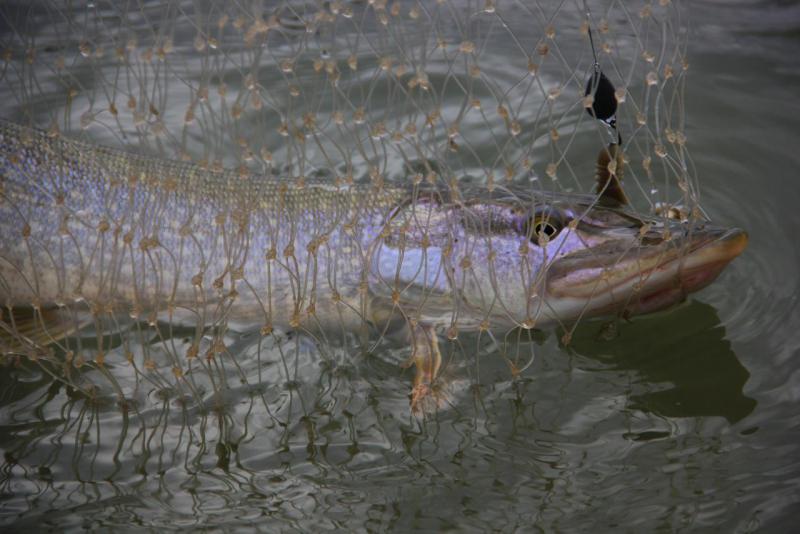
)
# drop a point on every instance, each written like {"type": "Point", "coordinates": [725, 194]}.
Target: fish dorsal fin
{"type": "Point", "coordinates": [608, 175]}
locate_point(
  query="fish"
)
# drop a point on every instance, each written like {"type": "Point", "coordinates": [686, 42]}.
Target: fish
{"type": "Point", "coordinates": [93, 235]}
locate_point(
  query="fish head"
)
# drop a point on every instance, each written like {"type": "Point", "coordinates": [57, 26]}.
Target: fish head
{"type": "Point", "coordinates": [561, 258]}
{"type": "Point", "coordinates": [504, 259]}
{"type": "Point", "coordinates": [620, 262]}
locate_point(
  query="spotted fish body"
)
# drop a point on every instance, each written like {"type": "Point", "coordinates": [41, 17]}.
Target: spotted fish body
{"type": "Point", "coordinates": [98, 232]}
{"type": "Point", "coordinates": [118, 231]}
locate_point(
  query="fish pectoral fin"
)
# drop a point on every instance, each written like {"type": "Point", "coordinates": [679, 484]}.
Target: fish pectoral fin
{"type": "Point", "coordinates": [28, 331]}
{"type": "Point", "coordinates": [430, 389]}
{"type": "Point", "coordinates": [429, 392]}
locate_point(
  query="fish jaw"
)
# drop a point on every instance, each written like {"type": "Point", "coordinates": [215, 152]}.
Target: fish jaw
{"type": "Point", "coordinates": [642, 279]}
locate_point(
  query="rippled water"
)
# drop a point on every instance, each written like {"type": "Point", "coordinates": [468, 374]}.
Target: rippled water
{"type": "Point", "coordinates": [685, 419]}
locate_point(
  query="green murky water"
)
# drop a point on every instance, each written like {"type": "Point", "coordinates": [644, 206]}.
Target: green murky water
{"type": "Point", "coordinates": [685, 420]}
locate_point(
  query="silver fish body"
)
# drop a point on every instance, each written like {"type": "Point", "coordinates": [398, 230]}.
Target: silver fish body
{"type": "Point", "coordinates": [92, 231]}
{"type": "Point", "coordinates": [118, 231]}
{"type": "Point", "coordinates": [91, 224]}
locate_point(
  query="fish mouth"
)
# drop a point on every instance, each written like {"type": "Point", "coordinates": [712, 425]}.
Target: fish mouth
{"type": "Point", "coordinates": [645, 278]}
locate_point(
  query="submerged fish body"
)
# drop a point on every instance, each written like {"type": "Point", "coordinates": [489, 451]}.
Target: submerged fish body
{"type": "Point", "coordinates": [109, 233]}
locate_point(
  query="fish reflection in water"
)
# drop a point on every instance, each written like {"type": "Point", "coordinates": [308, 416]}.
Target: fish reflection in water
{"type": "Point", "coordinates": [682, 363]}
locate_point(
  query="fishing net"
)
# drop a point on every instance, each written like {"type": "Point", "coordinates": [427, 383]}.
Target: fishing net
{"type": "Point", "coordinates": [375, 90]}
{"type": "Point", "coordinates": [455, 96]}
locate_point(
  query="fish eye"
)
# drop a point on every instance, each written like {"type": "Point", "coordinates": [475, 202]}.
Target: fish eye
{"type": "Point", "coordinates": [544, 225]}
{"type": "Point", "coordinates": [546, 228]}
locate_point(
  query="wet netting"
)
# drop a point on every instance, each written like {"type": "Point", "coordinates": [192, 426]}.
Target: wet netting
{"type": "Point", "coordinates": [201, 199]}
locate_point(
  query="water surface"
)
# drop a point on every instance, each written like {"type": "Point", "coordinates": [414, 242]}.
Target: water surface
{"type": "Point", "coordinates": [682, 420]}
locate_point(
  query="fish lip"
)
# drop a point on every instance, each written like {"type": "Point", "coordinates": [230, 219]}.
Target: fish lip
{"type": "Point", "coordinates": [730, 244]}
{"type": "Point", "coordinates": [695, 270]}
{"type": "Point", "coordinates": [693, 267]}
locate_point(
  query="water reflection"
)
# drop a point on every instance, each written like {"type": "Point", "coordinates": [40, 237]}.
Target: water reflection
{"type": "Point", "coordinates": [268, 450]}
{"type": "Point", "coordinates": [683, 364]}
{"type": "Point", "coordinates": [337, 440]}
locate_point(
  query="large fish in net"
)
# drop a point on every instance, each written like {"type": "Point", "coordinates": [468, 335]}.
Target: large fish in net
{"type": "Point", "coordinates": [361, 175]}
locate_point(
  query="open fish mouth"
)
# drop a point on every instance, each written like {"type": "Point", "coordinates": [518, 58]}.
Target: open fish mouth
{"type": "Point", "coordinates": [643, 278]}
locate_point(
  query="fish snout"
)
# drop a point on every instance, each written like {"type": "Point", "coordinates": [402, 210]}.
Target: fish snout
{"type": "Point", "coordinates": [657, 273]}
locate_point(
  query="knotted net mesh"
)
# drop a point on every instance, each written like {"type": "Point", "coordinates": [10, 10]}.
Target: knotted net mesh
{"type": "Point", "coordinates": [469, 99]}
{"type": "Point", "coordinates": [488, 91]}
